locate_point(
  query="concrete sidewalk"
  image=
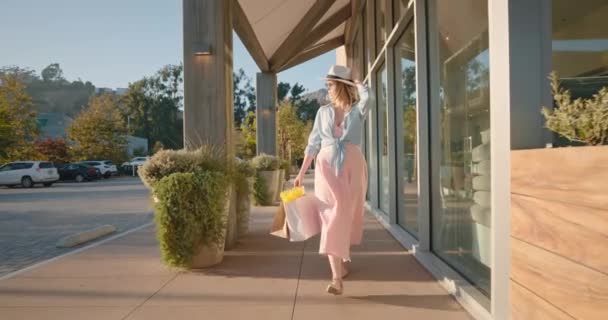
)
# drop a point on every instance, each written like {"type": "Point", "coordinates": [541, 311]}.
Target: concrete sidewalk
{"type": "Point", "coordinates": [263, 278]}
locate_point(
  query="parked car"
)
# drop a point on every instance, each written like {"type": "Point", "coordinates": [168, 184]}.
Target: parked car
{"type": "Point", "coordinates": [107, 168]}
{"type": "Point", "coordinates": [79, 172]}
{"type": "Point", "coordinates": [113, 167]}
{"type": "Point", "coordinates": [28, 173]}
{"type": "Point", "coordinates": [128, 166]}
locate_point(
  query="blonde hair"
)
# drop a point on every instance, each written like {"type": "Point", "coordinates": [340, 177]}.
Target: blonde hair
{"type": "Point", "coordinates": [343, 96]}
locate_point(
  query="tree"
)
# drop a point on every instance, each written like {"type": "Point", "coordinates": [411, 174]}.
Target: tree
{"type": "Point", "coordinates": [296, 91]}
{"type": "Point", "coordinates": [291, 132]}
{"type": "Point", "coordinates": [18, 126]}
{"type": "Point", "coordinates": [24, 75]}
{"type": "Point", "coordinates": [248, 131]}
{"type": "Point", "coordinates": [244, 97]}
{"type": "Point", "coordinates": [53, 150]}
{"type": "Point", "coordinates": [408, 83]}
{"type": "Point", "coordinates": [54, 94]}
{"type": "Point", "coordinates": [151, 105]}
{"type": "Point", "coordinates": [282, 90]}
{"type": "Point", "coordinates": [99, 132]}
{"type": "Point", "coordinates": [52, 72]}
{"type": "Point", "coordinates": [307, 109]}
{"type": "Point", "coordinates": [165, 90]}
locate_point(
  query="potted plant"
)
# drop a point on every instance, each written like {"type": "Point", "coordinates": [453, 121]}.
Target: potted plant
{"type": "Point", "coordinates": [267, 188]}
{"type": "Point", "coordinates": [559, 204]}
{"type": "Point", "coordinates": [192, 192]}
{"type": "Point", "coordinates": [580, 121]}
{"type": "Point", "coordinates": [244, 183]}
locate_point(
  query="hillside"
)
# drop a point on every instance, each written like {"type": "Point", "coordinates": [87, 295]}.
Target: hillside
{"type": "Point", "coordinates": [319, 95]}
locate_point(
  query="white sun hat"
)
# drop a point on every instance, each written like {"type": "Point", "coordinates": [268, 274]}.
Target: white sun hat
{"type": "Point", "coordinates": [341, 74]}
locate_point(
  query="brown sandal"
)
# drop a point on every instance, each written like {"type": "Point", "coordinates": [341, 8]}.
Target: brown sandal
{"type": "Point", "coordinates": [335, 287]}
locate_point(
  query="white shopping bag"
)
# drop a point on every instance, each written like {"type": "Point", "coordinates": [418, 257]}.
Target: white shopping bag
{"type": "Point", "coordinates": [302, 215]}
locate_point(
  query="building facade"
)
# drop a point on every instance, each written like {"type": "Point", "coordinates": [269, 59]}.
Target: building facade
{"type": "Point", "coordinates": [459, 84]}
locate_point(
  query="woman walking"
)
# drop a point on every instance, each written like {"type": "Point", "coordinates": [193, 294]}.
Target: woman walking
{"type": "Point", "coordinates": [340, 169]}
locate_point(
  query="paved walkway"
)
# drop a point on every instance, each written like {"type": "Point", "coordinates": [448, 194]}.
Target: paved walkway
{"type": "Point", "coordinates": [33, 220]}
{"type": "Point", "coordinates": [263, 278]}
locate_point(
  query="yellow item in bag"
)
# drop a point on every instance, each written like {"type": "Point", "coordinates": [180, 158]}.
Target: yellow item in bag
{"type": "Point", "coordinates": [292, 194]}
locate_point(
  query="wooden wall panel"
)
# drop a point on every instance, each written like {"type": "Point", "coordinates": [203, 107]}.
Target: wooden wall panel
{"type": "Point", "coordinates": [580, 291]}
{"type": "Point", "coordinates": [527, 305]}
{"type": "Point", "coordinates": [578, 233]}
{"type": "Point", "coordinates": [577, 175]}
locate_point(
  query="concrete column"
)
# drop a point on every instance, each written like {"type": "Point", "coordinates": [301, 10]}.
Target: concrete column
{"type": "Point", "coordinates": [266, 97]}
{"type": "Point", "coordinates": [342, 56]}
{"type": "Point", "coordinates": [208, 105]}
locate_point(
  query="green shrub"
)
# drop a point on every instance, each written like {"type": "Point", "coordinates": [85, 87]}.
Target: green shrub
{"type": "Point", "coordinates": [265, 162]}
{"type": "Point", "coordinates": [189, 212]}
{"type": "Point", "coordinates": [581, 120]}
{"type": "Point", "coordinates": [166, 162]}
{"type": "Point", "coordinates": [260, 191]}
{"type": "Point", "coordinates": [243, 171]}
{"type": "Point", "coordinates": [244, 168]}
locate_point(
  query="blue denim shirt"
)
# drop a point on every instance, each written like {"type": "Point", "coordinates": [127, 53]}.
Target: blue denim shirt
{"type": "Point", "coordinates": [322, 134]}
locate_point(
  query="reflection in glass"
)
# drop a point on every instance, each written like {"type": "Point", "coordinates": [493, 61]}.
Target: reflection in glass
{"type": "Point", "coordinates": [382, 109]}
{"type": "Point", "coordinates": [406, 90]}
{"type": "Point", "coordinates": [399, 7]}
{"type": "Point", "coordinates": [356, 58]}
{"type": "Point", "coordinates": [366, 42]}
{"type": "Point", "coordinates": [460, 139]}
{"type": "Point", "coordinates": [580, 47]}
{"type": "Point", "coordinates": [380, 24]}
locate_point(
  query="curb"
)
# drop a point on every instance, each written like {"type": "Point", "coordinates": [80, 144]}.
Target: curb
{"type": "Point", "coordinates": [85, 236]}
{"type": "Point", "coordinates": [75, 251]}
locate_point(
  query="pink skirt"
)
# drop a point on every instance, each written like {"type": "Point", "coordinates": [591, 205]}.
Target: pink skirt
{"type": "Point", "coordinates": [342, 201]}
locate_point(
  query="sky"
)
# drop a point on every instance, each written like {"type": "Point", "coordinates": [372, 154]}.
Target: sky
{"type": "Point", "coordinates": [114, 42]}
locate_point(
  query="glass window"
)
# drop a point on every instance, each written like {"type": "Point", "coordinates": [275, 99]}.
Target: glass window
{"type": "Point", "coordinates": [382, 109]}
{"type": "Point", "coordinates": [366, 47]}
{"type": "Point", "coordinates": [367, 149]}
{"type": "Point", "coordinates": [380, 24]}
{"type": "Point", "coordinates": [6, 167]}
{"type": "Point", "coordinates": [22, 166]}
{"type": "Point", "coordinates": [399, 7]}
{"type": "Point", "coordinates": [45, 165]}
{"type": "Point", "coordinates": [460, 138]}
{"type": "Point", "coordinates": [580, 47]}
{"type": "Point", "coordinates": [405, 73]}
{"type": "Point", "coordinates": [357, 57]}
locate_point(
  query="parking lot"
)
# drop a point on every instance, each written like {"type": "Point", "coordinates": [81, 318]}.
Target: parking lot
{"type": "Point", "coordinates": [33, 220]}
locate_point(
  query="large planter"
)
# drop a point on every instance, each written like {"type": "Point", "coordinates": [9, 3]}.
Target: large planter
{"type": "Point", "coordinates": [559, 227]}
{"type": "Point", "coordinates": [244, 209]}
{"type": "Point", "coordinates": [232, 233]}
{"type": "Point", "coordinates": [271, 181]}
{"type": "Point", "coordinates": [210, 255]}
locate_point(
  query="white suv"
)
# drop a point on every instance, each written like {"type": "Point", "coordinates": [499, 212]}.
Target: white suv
{"type": "Point", "coordinates": [28, 173]}
{"type": "Point", "coordinates": [106, 167]}
{"type": "Point", "coordinates": [131, 166]}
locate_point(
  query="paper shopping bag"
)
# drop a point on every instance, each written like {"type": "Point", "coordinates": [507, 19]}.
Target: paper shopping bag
{"type": "Point", "coordinates": [279, 224]}
{"type": "Point", "coordinates": [303, 218]}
